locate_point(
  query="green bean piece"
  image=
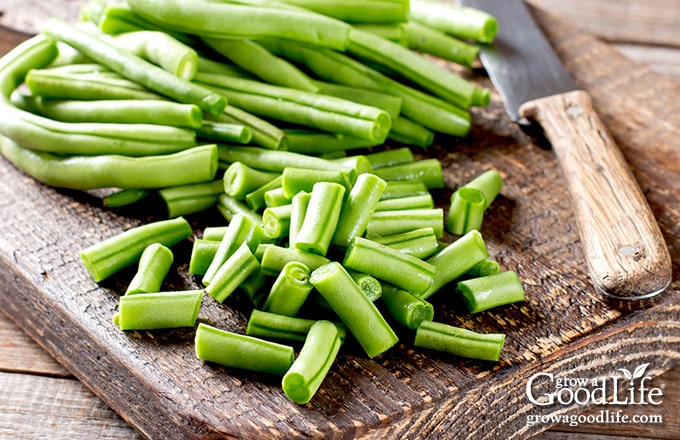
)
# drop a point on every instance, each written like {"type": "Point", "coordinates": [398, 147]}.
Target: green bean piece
{"type": "Point", "coordinates": [491, 291]}
{"type": "Point", "coordinates": [119, 18]}
{"type": "Point", "coordinates": [405, 308]}
{"type": "Point", "coordinates": [208, 65]}
{"type": "Point", "coordinates": [410, 132]}
{"type": "Point", "coordinates": [136, 69]}
{"type": "Point", "coordinates": [368, 284]}
{"type": "Point", "coordinates": [92, 11]}
{"type": "Point", "coordinates": [390, 157]}
{"type": "Point", "coordinates": [389, 31]}
{"type": "Point", "coordinates": [224, 21]}
{"type": "Point", "coordinates": [469, 23]}
{"type": "Point", "coordinates": [461, 342]}
{"type": "Point", "coordinates": [255, 199]}
{"type": "Point", "coordinates": [237, 268]}
{"type": "Point", "coordinates": [275, 197]}
{"type": "Point", "coordinates": [274, 161]}
{"type": "Point", "coordinates": [158, 310]}
{"type": "Point", "coordinates": [383, 223]}
{"type": "Point", "coordinates": [390, 103]}
{"type": "Point", "coordinates": [483, 268]}
{"type": "Point", "coordinates": [466, 211]}
{"type": "Point", "coordinates": [107, 257]}
{"type": "Point", "coordinates": [258, 61]}
{"type": "Point", "coordinates": [264, 134]}
{"type": "Point", "coordinates": [326, 113]}
{"type": "Point", "coordinates": [300, 179]}
{"type": "Point", "coordinates": [202, 254]}
{"type": "Point", "coordinates": [230, 206]}
{"type": "Point", "coordinates": [455, 259]}
{"type": "Point", "coordinates": [413, 66]}
{"type": "Point", "coordinates": [224, 132]}
{"type": "Point", "coordinates": [435, 42]}
{"type": "Point", "coordinates": [421, 243]}
{"type": "Point", "coordinates": [390, 265]}
{"type": "Point", "coordinates": [190, 199]}
{"type": "Point", "coordinates": [214, 233]}
{"type": "Point", "coordinates": [241, 230]}
{"type": "Point", "coordinates": [276, 221]}
{"type": "Point", "coordinates": [357, 312]}
{"type": "Point", "coordinates": [358, 208]}
{"type": "Point", "coordinates": [314, 142]}
{"type": "Point", "coordinates": [124, 197]}
{"type": "Point", "coordinates": [274, 326]}
{"type": "Point", "coordinates": [321, 218]}
{"type": "Point", "coordinates": [240, 179]}
{"type": "Point", "coordinates": [252, 286]}
{"type": "Point", "coordinates": [241, 351]}
{"type": "Point", "coordinates": [299, 205]}
{"type": "Point", "coordinates": [275, 258]}
{"type": "Point", "coordinates": [289, 291]}
{"type": "Point", "coordinates": [489, 183]}
{"type": "Point", "coordinates": [396, 189]}
{"type": "Point", "coordinates": [370, 11]}
{"type": "Point", "coordinates": [357, 164]}
{"type": "Point", "coordinates": [429, 171]}
{"type": "Point", "coordinates": [154, 265]}
{"type": "Point", "coordinates": [310, 368]}
{"type": "Point", "coordinates": [424, 201]}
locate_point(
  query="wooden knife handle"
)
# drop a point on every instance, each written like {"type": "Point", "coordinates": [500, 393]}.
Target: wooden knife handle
{"type": "Point", "coordinates": [625, 251]}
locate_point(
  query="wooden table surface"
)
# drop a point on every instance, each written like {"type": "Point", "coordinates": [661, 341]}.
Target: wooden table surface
{"type": "Point", "coordinates": [40, 399]}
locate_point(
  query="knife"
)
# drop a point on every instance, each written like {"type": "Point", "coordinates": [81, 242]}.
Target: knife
{"type": "Point", "coordinates": [624, 249]}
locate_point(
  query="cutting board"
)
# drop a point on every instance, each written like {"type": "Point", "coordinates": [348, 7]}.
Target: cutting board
{"type": "Point", "coordinates": [565, 328]}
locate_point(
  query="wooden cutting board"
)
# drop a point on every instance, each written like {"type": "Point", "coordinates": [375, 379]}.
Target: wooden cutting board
{"type": "Point", "coordinates": [155, 382]}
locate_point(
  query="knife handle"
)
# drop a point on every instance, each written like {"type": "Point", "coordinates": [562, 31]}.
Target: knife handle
{"type": "Point", "coordinates": [625, 251]}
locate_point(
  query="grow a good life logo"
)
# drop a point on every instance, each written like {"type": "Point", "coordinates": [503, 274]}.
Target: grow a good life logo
{"type": "Point", "coordinates": [623, 388]}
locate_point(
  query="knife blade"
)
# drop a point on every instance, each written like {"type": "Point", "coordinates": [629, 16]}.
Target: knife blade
{"type": "Point", "coordinates": [624, 249]}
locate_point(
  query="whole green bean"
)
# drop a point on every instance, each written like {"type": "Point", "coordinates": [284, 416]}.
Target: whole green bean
{"type": "Point", "coordinates": [154, 265]}
{"type": "Point", "coordinates": [222, 67]}
{"type": "Point", "coordinates": [421, 243]}
{"type": "Point", "coordinates": [357, 312]}
{"type": "Point", "coordinates": [410, 132]}
{"type": "Point", "coordinates": [390, 103]}
{"type": "Point", "coordinates": [192, 198]}
{"type": "Point", "coordinates": [307, 141]}
{"type": "Point", "coordinates": [119, 18]}
{"type": "Point", "coordinates": [455, 20]}
{"type": "Point", "coordinates": [274, 326]}
{"type": "Point", "coordinates": [224, 132]}
{"type": "Point", "coordinates": [274, 161]}
{"type": "Point", "coordinates": [389, 31]}
{"type": "Point", "coordinates": [107, 257]}
{"type": "Point", "coordinates": [459, 341]}
{"type": "Point", "coordinates": [406, 308]}
{"type": "Point", "coordinates": [158, 310]}
{"type": "Point", "coordinates": [241, 351]}
{"type": "Point", "coordinates": [289, 291]}
{"type": "Point", "coordinates": [123, 197]}
{"type": "Point", "coordinates": [358, 208]}
{"type": "Point", "coordinates": [369, 11]}
{"type": "Point", "coordinates": [240, 265]}
{"type": "Point", "coordinates": [429, 40]}
{"type": "Point", "coordinates": [491, 291]}
{"type": "Point", "coordinates": [321, 218]}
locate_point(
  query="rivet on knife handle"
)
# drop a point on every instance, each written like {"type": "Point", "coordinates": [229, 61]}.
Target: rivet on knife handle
{"type": "Point", "coordinates": [624, 248]}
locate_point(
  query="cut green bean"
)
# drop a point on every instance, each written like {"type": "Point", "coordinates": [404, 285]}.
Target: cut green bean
{"type": "Point", "coordinates": [383, 223]}
{"type": "Point", "coordinates": [190, 199]}
{"type": "Point", "coordinates": [154, 265]}
{"type": "Point", "coordinates": [124, 197]}
{"type": "Point", "coordinates": [405, 308]}
{"type": "Point", "coordinates": [429, 40]}
{"type": "Point", "coordinates": [214, 233]}
{"type": "Point", "coordinates": [314, 142]}
{"type": "Point", "coordinates": [489, 183]}
{"type": "Point", "coordinates": [421, 243]}
{"type": "Point", "coordinates": [321, 218]}
{"type": "Point", "coordinates": [276, 197]}
{"type": "Point", "coordinates": [387, 264]}
{"type": "Point", "coordinates": [240, 179]}
{"type": "Point", "coordinates": [396, 189]}
{"type": "Point", "coordinates": [300, 179]}
{"type": "Point", "coordinates": [469, 23]}
{"type": "Point", "coordinates": [255, 199]}
{"type": "Point", "coordinates": [274, 161]}
{"type": "Point", "coordinates": [276, 221]}
{"type": "Point", "coordinates": [275, 258]}
{"type": "Point", "coordinates": [390, 157]}
{"type": "Point", "coordinates": [263, 133]}
{"type": "Point", "coordinates": [491, 291]}
{"type": "Point", "coordinates": [424, 201]}
{"type": "Point", "coordinates": [299, 205]}
{"type": "Point", "coordinates": [310, 368]}
{"type": "Point", "coordinates": [410, 132]}
{"type": "Point", "coordinates": [483, 268]}
{"type": "Point", "coordinates": [358, 208]}
{"type": "Point", "coordinates": [356, 311]}
{"type": "Point", "coordinates": [429, 171]}
{"type": "Point", "coordinates": [455, 259]}
{"type": "Point", "coordinates": [202, 254]}
{"type": "Point", "coordinates": [241, 230]}
{"type": "Point", "coordinates": [274, 326]}
{"type": "Point", "coordinates": [159, 310]}
{"type": "Point", "coordinates": [390, 103]}
{"type": "Point", "coordinates": [357, 164]}
{"type": "Point", "coordinates": [461, 342]}
{"type": "Point", "coordinates": [369, 11]}
{"type": "Point", "coordinates": [466, 212]}
{"type": "Point", "coordinates": [289, 291]}
{"type": "Point", "coordinates": [209, 65]}
{"type": "Point", "coordinates": [230, 206]}
{"type": "Point", "coordinates": [236, 269]}
{"type": "Point", "coordinates": [368, 284]}
{"type": "Point", "coordinates": [389, 31]}
{"type": "Point", "coordinates": [243, 352]}
{"type": "Point", "coordinates": [224, 132]}
{"type": "Point", "coordinates": [119, 18]}
{"type": "Point", "coordinates": [107, 257]}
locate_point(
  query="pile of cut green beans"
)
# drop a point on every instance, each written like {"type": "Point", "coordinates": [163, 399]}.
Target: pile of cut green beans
{"type": "Point", "coordinates": [296, 120]}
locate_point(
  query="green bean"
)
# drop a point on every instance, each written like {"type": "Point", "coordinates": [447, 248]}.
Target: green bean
{"type": "Point", "coordinates": [230, 206]}
{"type": "Point", "coordinates": [274, 161]}
{"type": "Point", "coordinates": [214, 233]}
{"type": "Point", "coordinates": [459, 341]}
{"type": "Point", "coordinates": [405, 308]}
{"type": "Point", "coordinates": [356, 311]}
{"type": "Point", "coordinates": [455, 20]}
{"type": "Point", "coordinates": [263, 133]}
{"type": "Point", "coordinates": [308, 141]}
{"type": "Point", "coordinates": [295, 180]}
{"type": "Point", "coordinates": [389, 31]}
{"type": "Point", "coordinates": [135, 68]}
{"type": "Point", "coordinates": [119, 18]}
{"type": "Point", "coordinates": [424, 201]}
{"type": "Point", "coordinates": [466, 211]}
{"type": "Point", "coordinates": [299, 205]}
{"type": "Point", "coordinates": [274, 326]}
{"type": "Point", "coordinates": [483, 268]}
{"type": "Point", "coordinates": [241, 230]}
{"type": "Point", "coordinates": [275, 258]}
{"type": "Point", "coordinates": [257, 60]}
{"type": "Point", "coordinates": [390, 103]}
{"type": "Point", "coordinates": [410, 132]}
{"type": "Point", "coordinates": [124, 197]}
{"type": "Point", "coordinates": [237, 268]}
{"type": "Point", "coordinates": [241, 351]}
{"type": "Point", "coordinates": [252, 286]}
{"type": "Point", "coordinates": [159, 310]}
{"type": "Point", "coordinates": [421, 243]}
{"type": "Point", "coordinates": [384, 223]}
{"type": "Point", "coordinates": [92, 11]}
{"type": "Point", "coordinates": [240, 180]}
{"type": "Point", "coordinates": [276, 221]}
{"type": "Point", "coordinates": [390, 157]}
{"type": "Point", "coordinates": [154, 265]}
{"type": "Point", "coordinates": [309, 369]}
{"type": "Point", "coordinates": [255, 199]}
{"type": "Point", "coordinates": [221, 20]}
{"type": "Point", "coordinates": [289, 291]}
{"type": "Point", "coordinates": [224, 132]}
{"type": "Point", "coordinates": [325, 113]}
{"type": "Point", "coordinates": [192, 198]}
{"type": "Point", "coordinates": [107, 257]}
{"type": "Point", "coordinates": [34, 53]}
{"type": "Point", "coordinates": [208, 65]}
{"type": "Point", "coordinates": [429, 40]}
{"type": "Point", "coordinates": [202, 254]}
{"type": "Point", "coordinates": [321, 218]}
{"type": "Point", "coordinates": [455, 259]}
{"type": "Point", "coordinates": [429, 171]}
{"type": "Point", "coordinates": [275, 197]}
{"type": "Point", "coordinates": [396, 189]}
{"type": "Point", "coordinates": [390, 265]}
{"type": "Point", "coordinates": [491, 291]}
{"type": "Point", "coordinates": [196, 164]}
{"type": "Point", "coordinates": [358, 208]}
{"type": "Point", "coordinates": [489, 183]}
{"type": "Point", "coordinates": [356, 164]}
{"type": "Point", "coordinates": [369, 11]}
{"type": "Point", "coordinates": [368, 284]}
